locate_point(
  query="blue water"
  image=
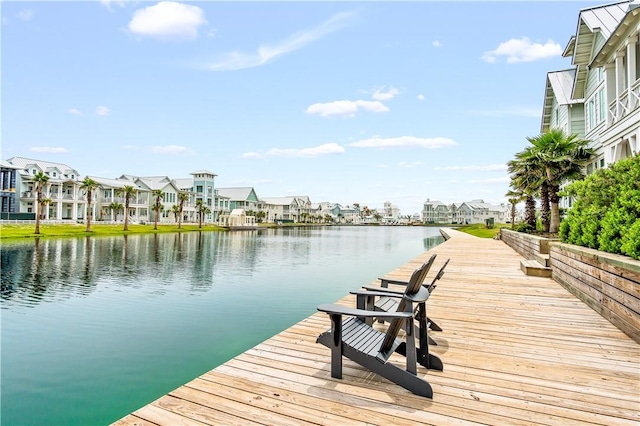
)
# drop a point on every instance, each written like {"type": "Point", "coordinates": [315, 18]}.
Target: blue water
{"type": "Point", "coordinates": [95, 328]}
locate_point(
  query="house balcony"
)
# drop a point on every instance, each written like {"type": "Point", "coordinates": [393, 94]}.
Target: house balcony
{"type": "Point", "coordinates": [626, 103]}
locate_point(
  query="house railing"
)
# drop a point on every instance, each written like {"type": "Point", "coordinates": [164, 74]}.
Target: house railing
{"type": "Point", "coordinates": [625, 103]}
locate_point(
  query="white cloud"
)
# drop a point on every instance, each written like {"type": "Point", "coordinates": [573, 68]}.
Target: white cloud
{"type": "Point", "coordinates": [487, 168]}
{"type": "Point", "coordinates": [409, 165]}
{"type": "Point", "coordinates": [169, 149]}
{"type": "Point", "coordinates": [25, 14]}
{"type": "Point", "coordinates": [532, 112]}
{"type": "Point", "coordinates": [345, 108]}
{"type": "Point", "coordinates": [523, 50]}
{"type": "Point", "coordinates": [108, 3]}
{"type": "Point", "coordinates": [326, 149]}
{"type": "Point", "coordinates": [74, 111]}
{"type": "Point", "coordinates": [381, 95]}
{"type": "Point", "coordinates": [102, 110]}
{"type": "Point", "coordinates": [502, 179]}
{"type": "Point", "coordinates": [404, 142]}
{"type": "Point", "coordinates": [49, 149]}
{"type": "Point", "coordinates": [436, 43]}
{"type": "Point", "coordinates": [420, 97]}
{"type": "Point", "coordinates": [267, 53]}
{"type": "Point", "coordinates": [168, 20]}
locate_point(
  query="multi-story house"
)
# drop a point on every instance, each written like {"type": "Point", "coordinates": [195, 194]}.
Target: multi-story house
{"type": "Point", "coordinates": [435, 212]}
{"type": "Point", "coordinates": [605, 80]}
{"type": "Point", "coordinates": [109, 192]}
{"type": "Point", "coordinates": [170, 191]}
{"type": "Point", "coordinates": [599, 99]}
{"type": "Point", "coordinates": [477, 211]}
{"type": "Point", "coordinates": [8, 197]}
{"type": "Point", "coordinates": [244, 198]}
{"type": "Point", "coordinates": [66, 200]}
{"type": "Point", "coordinates": [293, 208]}
{"type": "Point", "coordinates": [200, 186]}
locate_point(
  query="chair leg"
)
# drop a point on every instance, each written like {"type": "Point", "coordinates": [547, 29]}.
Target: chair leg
{"type": "Point", "coordinates": [433, 326]}
{"type": "Point", "coordinates": [336, 346]}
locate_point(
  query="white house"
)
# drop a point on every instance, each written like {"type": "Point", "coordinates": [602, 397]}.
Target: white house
{"type": "Point", "coordinates": [62, 188]}
{"type": "Point", "coordinates": [435, 212]}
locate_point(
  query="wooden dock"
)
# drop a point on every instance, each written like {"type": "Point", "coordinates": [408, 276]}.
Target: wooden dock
{"type": "Point", "coordinates": [517, 350]}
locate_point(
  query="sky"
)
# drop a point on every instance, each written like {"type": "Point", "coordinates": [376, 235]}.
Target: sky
{"type": "Point", "coordinates": [347, 102]}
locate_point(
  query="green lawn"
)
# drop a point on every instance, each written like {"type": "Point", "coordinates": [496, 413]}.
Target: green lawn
{"type": "Point", "coordinates": [481, 230]}
{"type": "Point", "coordinates": [8, 231]}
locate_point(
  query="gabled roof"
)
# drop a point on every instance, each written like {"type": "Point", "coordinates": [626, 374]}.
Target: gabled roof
{"type": "Point", "coordinates": [600, 19]}
{"type": "Point", "coordinates": [23, 163]}
{"type": "Point", "coordinates": [618, 35]}
{"type": "Point", "coordinates": [8, 165]}
{"type": "Point", "coordinates": [111, 183]}
{"type": "Point", "coordinates": [184, 184]}
{"type": "Point", "coordinates": [157, 182]}
{"type": "Point", "coordinates": [236, 194]}
{"type": "Point", "coordinates": [434, 203]}
{"type": "Point", "coordinates": [278, 201]}
{"type": "Point", "coordinates": [559, 86]}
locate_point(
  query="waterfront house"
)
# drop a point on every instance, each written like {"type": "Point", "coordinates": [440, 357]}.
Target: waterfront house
{"type": "Point", "coordinates": [170, 191]}
{"type": "Point", "coordinates": [605, 51]}
{"type": "Point", "coordinates": [108, 192]}
{"type": "Point", "coordinates": [599, 98]}
{"type": "Point", "coordinates": [244, 198]}
{"type": "Point", "coordinates": [62, 188]}
{"type": "Point", "coordinates": [8, 196]}
{"type": "Point", "coordinates": [293, 208]}
{"type": "Point", "coordinates": [435, 212]}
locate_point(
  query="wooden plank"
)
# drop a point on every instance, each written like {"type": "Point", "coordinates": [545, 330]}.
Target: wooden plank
{"type": "Point", "coordinates": [516, 350]}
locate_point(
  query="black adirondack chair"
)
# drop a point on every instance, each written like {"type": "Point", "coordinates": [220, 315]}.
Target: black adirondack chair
{"type": "Point", "coordinates": [389, 302]}
{"type": "Point", "coordinates": [357, 339]}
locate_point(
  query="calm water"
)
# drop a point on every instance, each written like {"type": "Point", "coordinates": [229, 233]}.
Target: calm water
{"type": "Point", "coordinates": [95, 328]}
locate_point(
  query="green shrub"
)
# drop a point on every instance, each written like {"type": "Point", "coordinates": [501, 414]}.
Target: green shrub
{"type": "Point", "coordinates": [524, 227]}
{"type": "Point", "coordinates": [606, 212]}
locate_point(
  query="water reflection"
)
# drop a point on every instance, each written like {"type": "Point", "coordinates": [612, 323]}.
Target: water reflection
{"type": "Point", "coordinates": [94, 328]}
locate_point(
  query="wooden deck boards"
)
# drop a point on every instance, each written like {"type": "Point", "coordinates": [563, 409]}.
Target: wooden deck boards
{"type": "Point", "coordinates": [516, 350]}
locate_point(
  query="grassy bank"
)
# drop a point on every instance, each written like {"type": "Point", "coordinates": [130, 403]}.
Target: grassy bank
{"type": "Point", "coordinates": [481, 230]}
{"type": "Point", "coordinates": [10, 231]}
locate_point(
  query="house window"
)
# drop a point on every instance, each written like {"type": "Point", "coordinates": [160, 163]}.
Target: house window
{"type": "Point", "coordinates": [199, 188]}
{"type": "Point", "coordinates": [602, 162]}
{"type": "Point", "coordinates": [596, 109]}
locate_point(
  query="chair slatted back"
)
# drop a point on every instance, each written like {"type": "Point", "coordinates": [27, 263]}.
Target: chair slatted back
{"type": "Point", "coordinates": [415, 283]}
{"type": "Point", "coordinates": [438, 276]}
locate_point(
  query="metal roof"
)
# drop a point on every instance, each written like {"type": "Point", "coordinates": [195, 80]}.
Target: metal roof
{"type": "Point", "coordinates": [619, 34]}
{"type": "Point", "coordinates": [603, 19]}
{"type": "Point", "coordinates": [241, 193]}
{"type": "Point", "coordinates": [23, 162]}
{"type": "Point", "coordinates": [559, 86]}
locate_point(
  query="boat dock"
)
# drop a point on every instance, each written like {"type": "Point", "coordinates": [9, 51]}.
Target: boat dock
{"type": "Point", "coordinates": [516, 349]}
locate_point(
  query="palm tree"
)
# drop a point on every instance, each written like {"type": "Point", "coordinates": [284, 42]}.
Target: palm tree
{"type": "Point", "coordinates": [182, 198]}
{"type": "Point", "coordinates": [157, 205]}
{"type": "Point", "coordinates": [115, 207]}
{"type": "Point", "coordinates": [175, 209]}
{"type": "Point", "coordinates": [127, 191]}
{"type": "Point", "coordinates": [40, 179]}
{"type": "Point", "coordinates": [528, 162]}
{"type": "Point", "coordinates": [563, 159]}
{"type": "Point", "coordinates": [89, 185]}
{"type": "Point", "coordinates": [514, 197]}
{"type": "Point", "coordinates": [202, 209]}
{"type": "Point", "coordinates": [525, 179]}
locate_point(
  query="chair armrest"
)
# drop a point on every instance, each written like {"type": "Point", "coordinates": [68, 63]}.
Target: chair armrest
{"type": "Point", "coordinates": [383, 289]}
{"type": "Point", "coordinates": [420, 296]}
{"type": "Point", "coordinates": [343, 310]}
{"type": "Point", "coordinates": [392, 281]}
{"type": "Point", "coordinates": [377, 293]}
